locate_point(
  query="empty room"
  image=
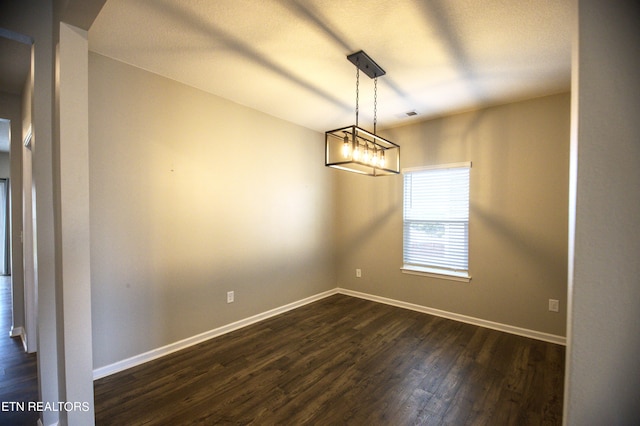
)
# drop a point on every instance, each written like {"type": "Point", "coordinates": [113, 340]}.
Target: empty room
{"type": "Point", "coordinates": [322, 212]}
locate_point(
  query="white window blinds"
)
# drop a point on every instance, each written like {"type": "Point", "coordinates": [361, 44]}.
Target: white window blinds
{"type": "Point", "coordinates": [436, 219]}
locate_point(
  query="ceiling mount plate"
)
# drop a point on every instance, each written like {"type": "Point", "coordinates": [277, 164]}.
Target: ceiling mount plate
{"type": "Point", "coordinates": [366, 64]}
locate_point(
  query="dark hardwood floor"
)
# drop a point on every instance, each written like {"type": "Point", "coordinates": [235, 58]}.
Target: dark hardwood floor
{"type": "Point", "coordinates": [18, 370]}
{"type": "Point", "coordinates": [344, 361]}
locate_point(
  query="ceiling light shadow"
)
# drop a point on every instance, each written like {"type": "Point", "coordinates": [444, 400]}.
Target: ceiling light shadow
{"type": "Point", "coordinates": [313, 17]}
{"type": "Point", "coordinates": [305, 12]}
{"type": "Point", "coordinates": [437, 18]}
{"type": "Point", "coordinates": [197, 23]}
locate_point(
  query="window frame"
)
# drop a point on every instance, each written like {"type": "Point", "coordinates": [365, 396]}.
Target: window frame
{"type": "Point", "coordinates": [432, 270]}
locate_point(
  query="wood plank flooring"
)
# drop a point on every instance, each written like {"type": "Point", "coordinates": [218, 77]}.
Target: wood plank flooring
{"type": "Point", "coordinates": [344, 361]}
{"type": "Point", "coordinates": [18, 370]}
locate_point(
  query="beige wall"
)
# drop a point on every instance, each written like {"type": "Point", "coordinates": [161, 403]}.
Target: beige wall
{"type": "Point", "coordinates": [192, 196]}
{"type": "Point", "coordinates": [518, 215]}
{"type": "Point", "coordinates": [190, 199]}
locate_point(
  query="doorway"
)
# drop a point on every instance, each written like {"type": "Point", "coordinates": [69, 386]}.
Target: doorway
{"type": "Point", "coordinates": [16, 92]}
{"type": "Point", "coordinates": [5, 173]}
{"type": "Point", "coordinates": [5, 240]}
{"type": "Point", "coordinates": [18, 369]}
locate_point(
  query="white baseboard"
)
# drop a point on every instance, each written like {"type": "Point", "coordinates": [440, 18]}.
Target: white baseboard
{"type": "Point", "coordinates": [19, 332]}
{"type": "Point", "coordinates": [116, 367]}
{"type": "Point", "coordinates": [16, 331]}
{"type": "Point", "coordinates": [552, 338]}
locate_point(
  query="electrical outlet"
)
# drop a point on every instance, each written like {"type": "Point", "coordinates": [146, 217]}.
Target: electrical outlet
{"type": "Point", "coordinates": [230, 297]}
{"type": "Point", "coordinates": [358, 273]}
{"type": "Point", "coordinates": [554, 305]}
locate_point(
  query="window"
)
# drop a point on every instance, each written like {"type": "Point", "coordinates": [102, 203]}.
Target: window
{"type": "Point", "coordinates": [436, 221]}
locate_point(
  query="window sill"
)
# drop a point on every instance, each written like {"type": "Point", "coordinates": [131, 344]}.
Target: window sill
{"type": "Point", "coordinates": [436, 273]}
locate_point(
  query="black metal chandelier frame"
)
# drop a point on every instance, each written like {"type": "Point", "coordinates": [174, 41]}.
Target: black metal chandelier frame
{"type": "Point", "coordinates": [355, 149]}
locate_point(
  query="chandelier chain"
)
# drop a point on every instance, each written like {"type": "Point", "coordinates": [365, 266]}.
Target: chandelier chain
{"type": "Point", "coordinates": [357, 89]}
{"type": "Point", "coordinates": [375, 103]}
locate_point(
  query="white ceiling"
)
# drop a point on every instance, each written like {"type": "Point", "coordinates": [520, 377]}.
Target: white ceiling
{"type": "Point", "coordinates": [288, 57]}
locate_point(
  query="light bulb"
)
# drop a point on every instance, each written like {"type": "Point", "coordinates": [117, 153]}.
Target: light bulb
{"type": "Point", "coordinates": [374, 159]}
{"type": "Point", "coordinates": [381, 160]}
{"type": "Point", "coordinates": [356, 152]}
{"type": "Point", "coordinates": [346, 149]}
{"type": "Point", "coordinates": [366, 156]}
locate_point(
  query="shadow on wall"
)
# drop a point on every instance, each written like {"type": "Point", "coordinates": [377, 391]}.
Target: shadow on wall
{"type": "Point", "coordinates": [438, 141]}
{"type": "Point", "coordinates": [528, 244]}
{"type": "Point", "coordinates": [365, 235]}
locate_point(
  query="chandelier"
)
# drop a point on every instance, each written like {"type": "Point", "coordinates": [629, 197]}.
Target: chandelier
{"type": "Point", "coordinates": [354, 149]}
